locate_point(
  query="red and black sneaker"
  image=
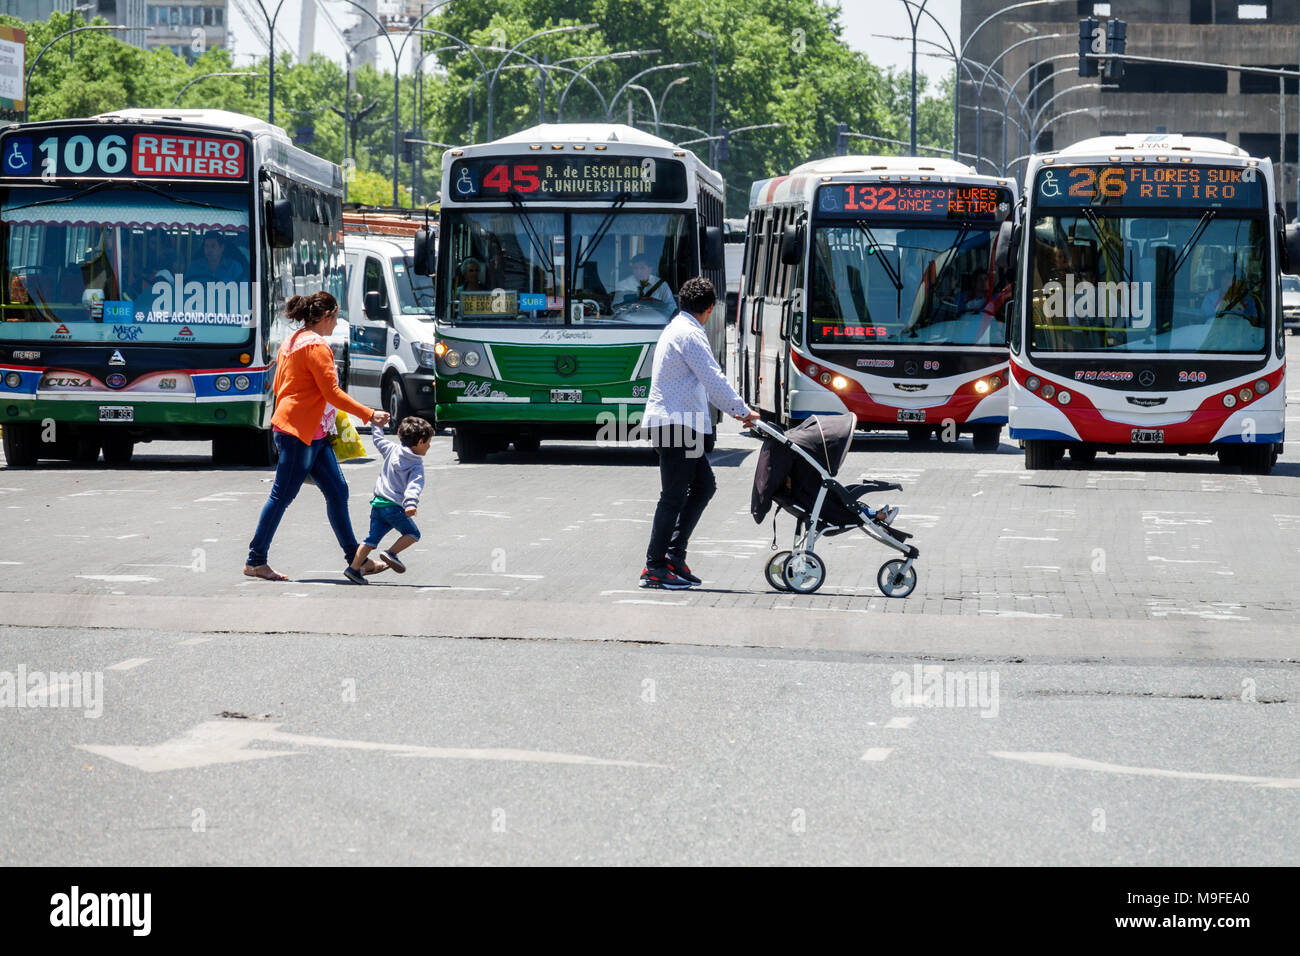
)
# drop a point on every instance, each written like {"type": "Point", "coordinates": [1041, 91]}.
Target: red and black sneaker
{"type": "Point", "coordinates": [663, 579]}
{"type": "Point", "coordinates": [680, 569]}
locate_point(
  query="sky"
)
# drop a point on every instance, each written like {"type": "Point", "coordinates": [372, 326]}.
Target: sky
{"type": "Point", "coordinates": [861, 19]}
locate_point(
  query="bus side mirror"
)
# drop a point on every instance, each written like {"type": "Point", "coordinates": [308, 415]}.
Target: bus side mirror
{"type": "Point", "coordinates": [374, 307]}
{"type": "Point", "coordinates": [279, 224]}
{"type": "Point", "coordinates": [1292, 248]}
{"type": "Point", "coordinates": [1004, 258]}
{"type": "Point", "coordinates": [426, 253]}
{"type": "Point", "coordinates": [791, 245]}
{"type": "Point", "coordinates": [711, 247]}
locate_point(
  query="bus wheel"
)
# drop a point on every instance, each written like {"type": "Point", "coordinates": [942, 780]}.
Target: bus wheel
{"type": "Point", "coordinates": [1039, 455]}
{"type": "Point", "coordinates": [1083, 454]}
{"type": "Point", "coordinates": [85, 450]}
{"type": "Point", "coordinates": [118, 449]}
{"type": "Point", "coordinates": [20, 444]}
{"type": "Point", "coordinates": [1257, 459]}
{"type": "Point", "coordinates": [986, 437]}
{"type": "Point", "coordinates": [257, 447]}
{"type": "Point", "coordinates": [469, 446]}
{"type": "Point", "coordinates": [527, 444]}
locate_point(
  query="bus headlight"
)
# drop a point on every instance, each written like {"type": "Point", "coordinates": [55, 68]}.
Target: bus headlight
{"type": "Point", "coordinates": [1063, 398]}
{"type": "Point", "coordinates": [471, 359]}
{"type": "Point", "coordinates": [981, 386]}
{"type": "Point", "coordinates": [1262, 387]}
{"type": "Point", "coordinates": [222, 383]}
{"type": "Point", "coordinates": [452, 358]}
{"type": "Point", "coordinates": [1229, 400]}
{"type": "Point", "coordinates": [839, 383]}
{"type": "Point", "coordinates": [812, 371]}
{"type": "Point", "coordinates": [825, 378]}
{"type": "Point", "coordinates": [1032, 383]}
{"type": "Point", "coordinates": [241, 383]}
{"type": "Point", "coordinates": [13, 379]}
{"type": "Point", "coordinates": [1245, 394]}
{"type": "Point", "coordinates": [1048, 390]}
{"type": "Point", "coordinates": [440, 348]}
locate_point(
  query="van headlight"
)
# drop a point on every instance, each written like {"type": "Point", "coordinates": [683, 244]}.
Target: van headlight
{"type": "Point", "coordinates": [426, 355]}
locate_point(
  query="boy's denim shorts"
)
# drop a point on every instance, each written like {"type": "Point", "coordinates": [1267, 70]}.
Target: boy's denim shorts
{"type": "Point", "coordinates": [384, 517]}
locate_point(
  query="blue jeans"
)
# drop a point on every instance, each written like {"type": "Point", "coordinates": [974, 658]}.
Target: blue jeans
{"type": "Point", "coordinates": [384, 517]}
{"type": "Point", "coordinates": [297, 461]}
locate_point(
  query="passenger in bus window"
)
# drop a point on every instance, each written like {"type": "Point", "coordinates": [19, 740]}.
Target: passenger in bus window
{"type": "Point", "coordinates": [214, 265]}
{"type": "Point", "coordinates": [496, 265]}
{"type": "Point", "coordinates": [468, 276]}
{"type": "Point", "coordinates": [643, 285]}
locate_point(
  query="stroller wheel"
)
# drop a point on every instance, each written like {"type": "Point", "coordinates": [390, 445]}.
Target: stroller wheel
{"type": "Point", "coordinates": [804, 573]}
{"type": "Point", "coordinates": [892, 583]}
{"type": "Point", "coordinates": [774, 570]}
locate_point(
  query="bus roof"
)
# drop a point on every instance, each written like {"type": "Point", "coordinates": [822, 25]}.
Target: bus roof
{"type": "Point", "coordinates": [798, 186]}
{"type": "Point", "coordinates": [217, 119]}
{"type": "Point", "coordinates": [1151, 143]}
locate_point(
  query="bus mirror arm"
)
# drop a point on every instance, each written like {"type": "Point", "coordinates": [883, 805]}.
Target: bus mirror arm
{"type": "Point", "coordinates": [426, 253]}
{"type": "Point", "coordinates": [1291, 248]}
{"type": "Point", "coordinates": [279, 223]}
{"type": "Point", "coordinates": [792, 244]}
{"type": "Point", "coordinates": [711, 247]}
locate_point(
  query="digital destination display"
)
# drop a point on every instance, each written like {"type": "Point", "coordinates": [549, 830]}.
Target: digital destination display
{"type": "Point", "coordinates": [107, 153]}
{"type": "Point", "coordinates": [944, 202]}
{"type": "Point", "coordinates": [576, 178]}
{"type": "Point", "coordinates": [1150, 184]}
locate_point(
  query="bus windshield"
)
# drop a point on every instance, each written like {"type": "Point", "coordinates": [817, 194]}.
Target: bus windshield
{"type": "Point", "coordinates": [624, 268]}
{"type": "Point", "coordinates": [884, 285]}
{"type": "Point", "coordinates": [124, 265]}
{"type": "Point", "coordinates": [1146, 284]}
{"type": "Point", "coordinates": [414, 292]}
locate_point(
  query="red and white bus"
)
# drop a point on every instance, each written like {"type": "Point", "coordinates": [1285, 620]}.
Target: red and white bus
{"type": "Point", "coordinates": [1151, 318]}
{"type": "Point", "coordinates": [871, 285]}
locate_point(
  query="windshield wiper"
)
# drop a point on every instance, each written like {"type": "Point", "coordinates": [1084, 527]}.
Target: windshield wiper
{"type": "Point", "coordinates": [534, 237]}
{"type": "Point", "coordinates": [881, 257]}
{"type": "Point", "coordinates": [590, 249]}
{"type": "Point", "coordinates": [1192, 240]}
{"type": "Point", "coordinates": [96, 187]}
{"type": "Point", "coordinates": [1113, 256]}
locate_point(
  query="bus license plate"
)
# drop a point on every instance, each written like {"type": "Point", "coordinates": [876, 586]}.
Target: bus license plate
{"type": "Point", "coordinates": [1148, 436]}
{"type": "Point", "coordinates": [571, 395]}
{"type": "Point", "coordinates": [117, 413]}
{"type": "Point", "coordinates": [911, 414]}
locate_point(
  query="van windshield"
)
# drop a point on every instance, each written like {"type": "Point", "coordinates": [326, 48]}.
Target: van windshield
{"type": "Point", "coordinates": [414, 292]}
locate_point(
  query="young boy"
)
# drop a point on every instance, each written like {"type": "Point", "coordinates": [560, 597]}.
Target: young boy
{"type": "Point", "coordinates": [400, 480]}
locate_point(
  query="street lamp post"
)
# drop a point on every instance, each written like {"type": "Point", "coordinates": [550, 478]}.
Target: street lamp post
{"type": "Point", "coordinates": [653, 69]}
{"type": "Point", "coordinates": [177, 98]}
{"type": "Point", "coordinates": [492, 81]}
{"type": "Point", "coordinates": [664, 96]}
{"type": "Point", "coordinates": [713, 88]}
{"type": "Point", "coordinates": [620, 55]}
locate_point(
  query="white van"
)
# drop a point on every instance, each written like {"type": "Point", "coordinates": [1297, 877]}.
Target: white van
{"type": "Point", "coordinates": [390, 312]}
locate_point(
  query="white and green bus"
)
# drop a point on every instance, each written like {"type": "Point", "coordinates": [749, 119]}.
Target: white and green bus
{"type": "Point", "coordinates": [561, 250]}
{"type": "Point", "coordinates": [147, 255]}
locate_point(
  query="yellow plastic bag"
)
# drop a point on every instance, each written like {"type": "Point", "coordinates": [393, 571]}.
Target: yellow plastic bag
{"type": "Point", "coordinates": [345, 441]}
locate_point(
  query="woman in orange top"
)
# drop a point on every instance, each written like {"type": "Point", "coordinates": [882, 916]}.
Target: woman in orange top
{"type": "Point", "coordinates": [307, 394]}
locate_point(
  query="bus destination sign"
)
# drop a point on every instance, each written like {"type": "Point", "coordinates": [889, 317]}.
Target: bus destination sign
{"type": "Point", "coordinates": [108, 153]}
{"type": "Point", "coordinates": [945, 202]}
{"type": "Point", "coordinates": [569, 178]}
{"type": "Point", "coordinates": [1151, 184]}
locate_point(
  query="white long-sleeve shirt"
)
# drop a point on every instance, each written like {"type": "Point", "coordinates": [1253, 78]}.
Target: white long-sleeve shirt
{"type": "Point", "coordinates": [686, 379]}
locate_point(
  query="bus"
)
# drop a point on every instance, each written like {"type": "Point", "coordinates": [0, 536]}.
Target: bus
{"type": "Point", "coordinates": [147, 257]}
{"type": "Point", "coordinates": [1151, 316]}
{"type": "Point", "coordinates": [879, 285]}
{"type": "Point", "coordinates": [561, 250]}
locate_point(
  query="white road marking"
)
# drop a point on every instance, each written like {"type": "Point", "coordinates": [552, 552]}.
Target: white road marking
{"type": "Point", "coordinates": [129, 664]}
{"type": "Point", "coordinates": [479, 514]}
{"type": "Point", "coordinates": [629, 520]}
{"type": "Point", "coordinates": [1022, 537]}
{"type": "Point", "coordinates": [1069, 762]}
{"type": "Point", "coordinates": [494, 574]}
{"type": "Point", "coordinates": [1018, 614]}
{"type": "Point", "coordinates": [157, 565]}
{"type": "Point", "coordinates": [226, 741]}
{"type": "Point", "coordinates": [899, 723]}
{"type": "Point", "coordinates": [659, 603]}
{"type": "Point", "coordinates": [192, 641]}
{"type": "Point", "coordinates": [1156, 557]}
{"type": "Point", "coordinates": [455, 587]}
{"type": "Point", "coordinates": [120, 578]}
{"type": "Point", "coordinates": [877, 753]}
{"type": "Point", "coordinates": [10, 562]}
{"type": "Point", "coordinates": [1041, 567]}
{"type": "Point", "coordinates": [123, 537]}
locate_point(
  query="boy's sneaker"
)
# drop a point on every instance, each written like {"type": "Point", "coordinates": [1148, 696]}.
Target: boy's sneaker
{"type": "Point", "coordinates": [354, 575]}
{"type": "Point", "coordinates": [680, 569]}
{"type": "Point", "coordinates": [392, 561]}
{"type": "Point", "coordinates": [663, 579]}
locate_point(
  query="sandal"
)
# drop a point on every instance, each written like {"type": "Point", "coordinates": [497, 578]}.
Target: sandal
{"type": "Point", "coordinates": [265, 572]}
{"type": "Point", "coordinates": [372, 567]}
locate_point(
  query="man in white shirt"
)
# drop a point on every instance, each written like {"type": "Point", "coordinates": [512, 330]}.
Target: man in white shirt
{"type": "Point", "coordinates": [643, 285]}
{"type": "Point", "coordinates": [685, 380]}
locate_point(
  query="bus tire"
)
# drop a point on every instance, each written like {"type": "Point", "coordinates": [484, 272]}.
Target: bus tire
{"type": "Point", "coordinates": [986, 437]}
{"type": "Point", "coordinates": [257, 447]}
{"type": "Point", "coordinates": [527, 444]}
{"type": "Point", "coordinates": [118, 449]}
{"type": "Point", "coordinates": [1257, 459]}
{"type": "Point", "coordinates": [919, 433]}
{"type": "Point", "coordinates": [20, 444]}
{"type": "Point", "coordinates": [1083, 454]}
{"type": "Point", "coordinates": [469, 446]}
{"type": "Point", "coordinates": [1039, 455]}
{"type": "Point", "coordinates": [394, 399]}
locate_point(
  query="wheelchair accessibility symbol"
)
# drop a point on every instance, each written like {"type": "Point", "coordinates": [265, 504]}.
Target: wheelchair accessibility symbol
{"type": "Point", "coordinates": [466, 184]}
{"type": "Point", "coordinates": [1049, 188]}
{"type": "Point", "coordinates": [18, 157]}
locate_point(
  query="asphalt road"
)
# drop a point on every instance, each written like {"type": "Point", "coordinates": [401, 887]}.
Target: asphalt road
{"type": "Point", "coordinates": [515, 698]}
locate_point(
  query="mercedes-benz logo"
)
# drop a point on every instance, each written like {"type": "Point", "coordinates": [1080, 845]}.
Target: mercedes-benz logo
{"type": "Point", "coordinates": [910, 368]}
{"type": "Point", "coordinates": [566, 365]}
{"type": "Point", "coordinates": [1146, 378]}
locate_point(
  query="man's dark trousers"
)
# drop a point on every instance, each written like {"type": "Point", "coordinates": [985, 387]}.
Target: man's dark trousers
{"type": "Point", "coordinates": [686, 484]}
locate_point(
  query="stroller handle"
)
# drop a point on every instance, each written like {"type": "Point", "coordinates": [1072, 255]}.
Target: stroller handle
{"type": "Point", "coordinates": [768, 429]}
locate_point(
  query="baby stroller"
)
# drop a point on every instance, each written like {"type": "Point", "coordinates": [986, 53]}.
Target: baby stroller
{"type": "Point", "coordinates": [796, 472]}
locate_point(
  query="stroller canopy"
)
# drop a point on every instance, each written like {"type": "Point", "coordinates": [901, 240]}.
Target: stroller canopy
{"type": "Point", "coordinates": [826, 437]}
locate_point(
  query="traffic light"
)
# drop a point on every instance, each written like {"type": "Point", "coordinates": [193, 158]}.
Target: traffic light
{"type": "Point", "coordinates": [1116, 32]}
{"type": "Point", "coordinates": [841, 139]}
{"type": "Point", "coordinates": [1090, 41]}
{"type": "Point", "coordinates": [408, 148]}
{"type": "Point", "coordinates": [724, 145]}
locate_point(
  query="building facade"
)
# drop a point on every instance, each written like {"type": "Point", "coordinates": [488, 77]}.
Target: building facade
{"type": "Point", "coordinates": [1036, 48]}
{"type": "Point", "coordinates": [186, 27]}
